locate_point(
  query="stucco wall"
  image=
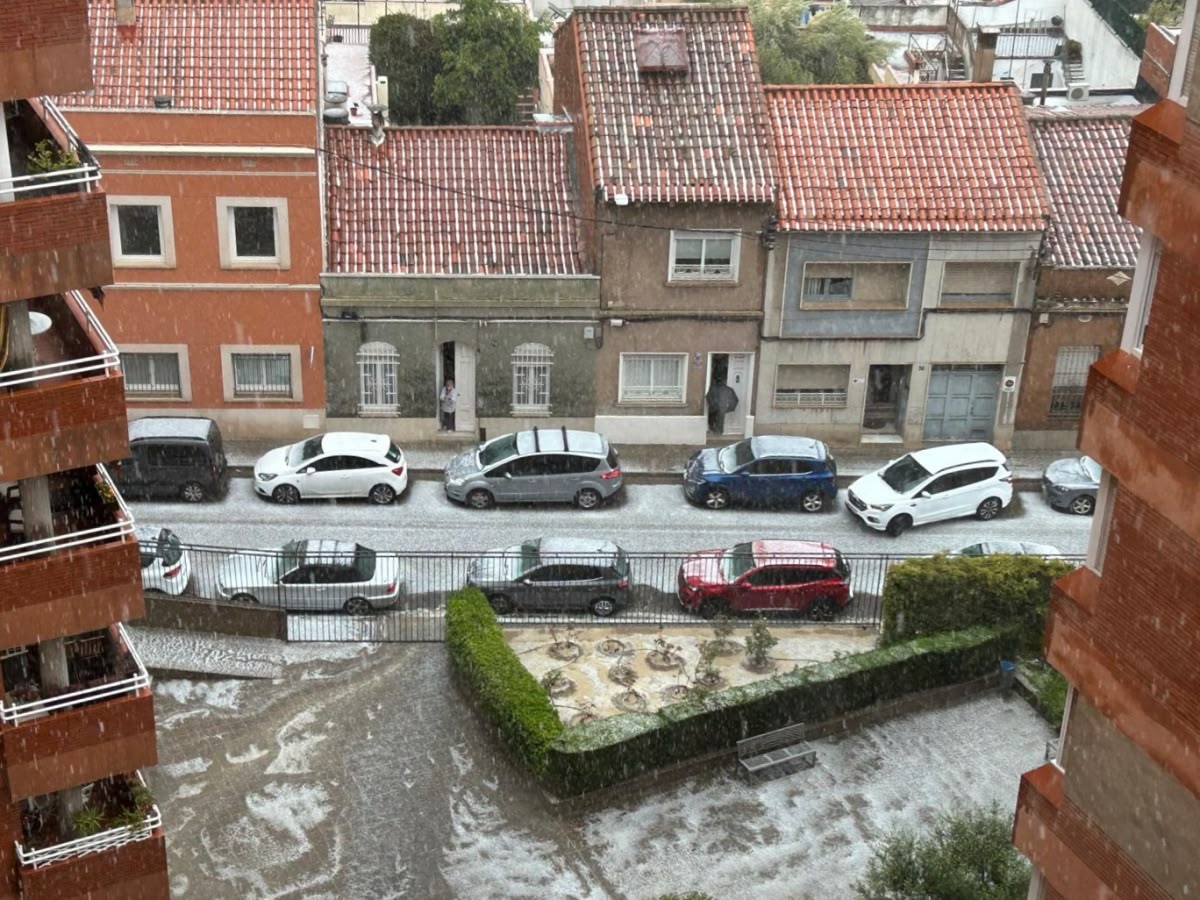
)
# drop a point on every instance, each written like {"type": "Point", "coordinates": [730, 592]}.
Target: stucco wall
{"type": "Point", "coordinates": [1107, 61]}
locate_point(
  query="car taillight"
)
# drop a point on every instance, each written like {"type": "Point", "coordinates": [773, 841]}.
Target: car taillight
{"type": "Point", "coordinates": [1007, 479]}
{"type": "Point", "coordinates": [173, 571]}
{"type": "Point", "coordinates": [610, 474]}
{"type": "Point", "coordinates": [399, 470]}
{"type": "Point", "coordinates": [622, 584]}
{"type": "Point", "coordinates": [391, 588]}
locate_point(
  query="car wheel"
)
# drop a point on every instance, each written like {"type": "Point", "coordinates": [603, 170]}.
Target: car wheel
{"type": "Point", "coordinates": [988, 509]}
{"type": "Point", "coordinates": [244, 598]}
{"type": "Point", "coordinates": [381, 494]}
{"type": "Point", "coordinates": [710, 608]}
{"type": "Point", "coordinates": [479, 499]}
{"type": "Point", "coordinates": [501, 604]}
{"type": "Point", "coordinates": [1083, 505]}
{"type": "Point", "coordinates": [822, 609]}
{"type": "Point", "coordinates": [192, 492]}
{"type": "Point", "coordinates": [358, 606]}
{"type": "Point", "coordinates": [286, 493]}
{"type": "Point", "coordinates": [899, 525]}
{"type": "Point", "coordinates": [587, 499]}
{"type": "Point", "coordinates": [812, 502]}
{"type": "Point", "coordinates": [716, 498]}
{"type": "Point", "coordinates": [603, 607]}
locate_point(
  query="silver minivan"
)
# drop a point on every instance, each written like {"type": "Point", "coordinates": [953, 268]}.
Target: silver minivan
{"type": "Point", "coordinates": [541, 465]}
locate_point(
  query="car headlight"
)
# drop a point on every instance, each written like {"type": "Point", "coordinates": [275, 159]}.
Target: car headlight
{"type": "Point", "coordinates": [881, 507]}
{"type": "Point", "coordinates": [266, 476]}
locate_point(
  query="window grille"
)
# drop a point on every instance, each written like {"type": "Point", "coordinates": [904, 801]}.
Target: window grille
{"type": "Point", "coordinates": [377, 378]}
{"type": "Point", "coordinates": [703, 257]}
{"type": "Point", "coordinates": [152, 374]}
{"type": "Point", "coordinates": [1070, 380]}
{"type": "Point", "coordinates": [531, 378]}
{"type": "Point", "coordinates": [262, 374]}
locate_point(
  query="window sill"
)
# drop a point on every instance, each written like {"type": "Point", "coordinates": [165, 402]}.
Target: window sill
{"type": "Point", "coordinates": [693, 282]}
{"type": "Point", "coordinates": [977, 304]}
{"type": "Point", "coordinates": [379, 413]}
{"type": "Point", "coordinates": [531, 411]}
{"type": "Point", "coordinates": [261, 264]}
{"type": "Point", "coordinates": [850, 305]}
{"type": "Point", "coordinates": [150, 397]}
{"type": "Point", "coordinates": [261, 398]}
{"type": "Point", "coordinates": [143, 262]}
{"type": "Point", "coordinates": [657, 403]}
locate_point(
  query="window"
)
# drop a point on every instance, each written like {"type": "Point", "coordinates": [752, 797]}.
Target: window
{"type": "Point", "coordinates": [531, 378]}
{"type": "Point", "coordinates": [152, 374]}
{"type": "Point", "coordinates": [856, 285]}
{"type": "Point", "coordinates": [983, 283]}
{"type": "Point", "coordinates": [1039, 79]}
{"type": "Point", "coordinates": [252, 233]}
{"type": "Point", "coordinates": [653, 377]}
{"type": "Point", "coordinates": [703, 256]}
{"type": "Point", "coordinates": [262, 374]}
{"type": "Point", "coordinates": [1070, 380]}
{"type": "Point", "coordinates": [377, 363]}
{"type": "Point", "coordinates": [810, 386]}
{"type": "Point", "coordinates": [1141, 294]}
{"type": "Point", "coordinates": [141, 232]}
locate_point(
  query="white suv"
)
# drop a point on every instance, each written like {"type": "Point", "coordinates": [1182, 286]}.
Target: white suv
{"type": "Point", "coordinates": [931, 485]}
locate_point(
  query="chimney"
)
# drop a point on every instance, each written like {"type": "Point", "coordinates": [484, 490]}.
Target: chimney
{"type": "Point", "coordinates": [126, 13]}
{"type": "Point", "coordinates": [984, 58]}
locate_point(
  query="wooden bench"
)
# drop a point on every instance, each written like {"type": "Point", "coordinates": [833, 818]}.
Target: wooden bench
{"type": "Point", "coordinates": [783, 749]}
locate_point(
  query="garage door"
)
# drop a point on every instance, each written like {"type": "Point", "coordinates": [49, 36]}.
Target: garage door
{"type": "Point", "coordinates": [961, 404]}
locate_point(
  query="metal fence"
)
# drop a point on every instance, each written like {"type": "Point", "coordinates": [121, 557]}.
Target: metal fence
{"type": "Point", "coordinates": [318, 607]}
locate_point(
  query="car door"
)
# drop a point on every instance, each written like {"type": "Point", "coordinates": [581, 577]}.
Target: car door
{"type": "Point", "coordinates": [540, 588]}
{"type": "Point", "coordinates": [297, 589]}
{"type": "Point", "coordinates": [337, 583]}
{"type": "Point", "coordinates": [529, 481]}
{"type": "Point", "coordinates": [360, 475]}
{"type": "Point", "coordinates": [935, 500]}
{"type": "Point", "coordinates": [970, 490]}
{"type": "Point", "coordinates": [767, 481]}
{"type": "Point", "coordinates": [579, 585]}
{"type": "Point", "coordinates": [321, 477]}
{"type": "Point", "coordinates": [757, 590]}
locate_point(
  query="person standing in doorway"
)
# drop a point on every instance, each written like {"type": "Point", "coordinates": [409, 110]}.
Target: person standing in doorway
{"type": "Point", "coordinates": [447, 401]}
{"type": "Point", "coordinates": [721, 399]}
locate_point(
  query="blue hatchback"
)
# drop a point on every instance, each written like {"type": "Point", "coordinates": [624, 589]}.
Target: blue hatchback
{"type": "Point", "coordinates": [767, 471]}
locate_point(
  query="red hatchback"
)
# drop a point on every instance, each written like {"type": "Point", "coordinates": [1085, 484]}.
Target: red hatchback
{"type": "Point", "coordinates": [766, 576]}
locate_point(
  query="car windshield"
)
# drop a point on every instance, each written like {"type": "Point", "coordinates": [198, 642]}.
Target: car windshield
{"type": "Point", "coordinates": [169, 548]}
{"type": "Point", "coordinates": [738, 560]}
{"type": "Point", "coordinates": [364, 562]}
{"type": "Point", "coordinates": [1092, 468]}
{"type": "Point", "coordinates": [842, 567]}
{"type": "Point", "coordinates": [498, 450]}
{"type": "Point", "coordinates": [904, 474]}
{"type": "Point", "coordinates": [393, 454]}
{"type": "Point", "coordinates": [735, 456]}
{"type": "Point", "coordinates": [290, 557]}
{"type": "Point", "coordinates": [298, 453]}
{"type": "Point", "coordinates": [527, 559]}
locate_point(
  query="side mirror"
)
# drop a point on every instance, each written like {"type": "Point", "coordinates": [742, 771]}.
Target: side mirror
{"type": "Point", "coordinates": [508, 475]}
{"type": "Point", "coordinates": [925, 494]}
{"type": "Point", "coordinates": [309, 471]}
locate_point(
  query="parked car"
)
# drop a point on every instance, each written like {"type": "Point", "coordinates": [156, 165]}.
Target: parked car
{"type": "Point", "coordinates": [1072, 484]}
{"type": "Point", "coordinates": [766, 470]}
{"type": "Point", "coordinates": [930, 485]}
{"type": "Point", "coordinates": [165, 564]}
{"type": "Point", "coordinates": [337, 464]}
{"type": "Point", "coordinates": [313, 575]}
{"type": "Point", "coordinates": [766, 576]}
{"type": "Point", "coordinates": [173, 457]}
{"type": "Point", "coordinates": [554, 574]}
{"type": "Point", "coordinates": [1021, 548]}
{"type": "Point", "coordinates": [535, 466]}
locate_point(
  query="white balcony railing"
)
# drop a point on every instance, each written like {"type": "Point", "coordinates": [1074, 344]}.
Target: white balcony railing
{"type": "Point", "coordinates": [106, 361]}
{"type": "Point", "coordinates": [18, 713]}
{"type": "Point", "coordinates": [86, 173]}
{"type": "Point", "coordinates": [795, 399]}
{"type": "Point", "coordinates": [93, 843]}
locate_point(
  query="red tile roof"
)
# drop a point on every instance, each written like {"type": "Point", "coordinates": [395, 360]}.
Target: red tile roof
{"type": "Point", "coordinates": [699, 135]}
{"type": "Point", "coordinates": [925, 157]}
{"type": "Point", "coordinates": [252, 55]}
{"type": "Point", "coordinates": [431, 201]}
{"type": "Point", "coordinates": [1083, 158]}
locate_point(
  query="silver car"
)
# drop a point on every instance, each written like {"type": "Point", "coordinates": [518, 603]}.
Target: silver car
{"type": "Point", "coordinates": [1072, 484]}
{"type": "Point", "coordinates": [165, 564]}
{"type": "Point", "coordinates": [1020, 548]}
{"type": "Point", "coordinates": [313, 575]}
{"type": "Point", "coordinates": [542, 465]}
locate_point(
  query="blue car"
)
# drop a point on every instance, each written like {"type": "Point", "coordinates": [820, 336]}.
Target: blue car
{"type": "Point", "coordinates": [763, 471]}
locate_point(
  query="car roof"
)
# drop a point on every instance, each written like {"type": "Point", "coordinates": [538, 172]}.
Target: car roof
{"type": "Point", "coordinates": [935, 459]}
{"type": "Point", "coordinates": [328, 551]}
{"type": "Point", "coordinates": [989, 547]}
{"type": "Point", "coordinates": [192, 427]}
{"type": "Point", "coordinates": [354, 442]}
{"type": "Point", "coordinates": [550, 440]}
{"type": "Point", "coordinates": [148, 532]}
{"type": "Point", "coordinates": [779, 445]}
{"type": "Point", "coordinates": [810, 550]}
{"type": "Point", "coordinates": [589, 546]}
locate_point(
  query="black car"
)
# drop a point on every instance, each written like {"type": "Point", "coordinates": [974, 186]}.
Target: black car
{"type": "Point", "coordinates": [173, 457]}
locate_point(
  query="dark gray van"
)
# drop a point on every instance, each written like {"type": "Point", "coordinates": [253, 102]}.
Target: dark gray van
{"type": "Point", "coordinates": [173, 457]}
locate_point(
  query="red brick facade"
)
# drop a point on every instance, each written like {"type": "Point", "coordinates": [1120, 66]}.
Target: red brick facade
{"type": "Point", "coordinates": [43, 47]}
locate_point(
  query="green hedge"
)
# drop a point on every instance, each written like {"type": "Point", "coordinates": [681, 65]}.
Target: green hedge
{"type": "Point", "coordinates": [503, 688]}
{"type": "Point", "coordinates": [950, 593]}
{"type": "Point", "coordinates": [609, 751]}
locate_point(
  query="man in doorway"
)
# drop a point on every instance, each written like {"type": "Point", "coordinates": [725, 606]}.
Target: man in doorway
{"type": "Point", "coordinates": [447, 401]}
{"type": "Point", "coordinates": [721, 399]}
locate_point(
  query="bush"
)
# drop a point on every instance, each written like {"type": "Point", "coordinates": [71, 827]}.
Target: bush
{"type": "Point", "coordinates": [966, 855]}
{"type": "Point", "coordinates": [504, 689]}
{"type": "Point", "coordinates": [1049, 690]}
{"type": "Point", "coordinates": [950, 593]}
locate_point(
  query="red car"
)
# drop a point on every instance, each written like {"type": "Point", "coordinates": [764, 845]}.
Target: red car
{"type": "Point", "coordinates": [766, 576]}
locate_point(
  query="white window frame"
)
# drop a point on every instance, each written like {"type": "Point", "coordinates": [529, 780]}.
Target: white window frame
{"type": "Point", "coordinates": [528, 360]}
{"type": "Point", "coordinates": [226, 241]}
{"type": "Point", "coordinates": [735, 251]}
{"type": "Point", "coordinates": [384, 358]}
{"type": "Point", "coordinates": [1106, 498]}
{"type": "Point", "coordinates": [180, 351]}
{"type": "Point", "coordinates": [229, 351]}
{"type": "Point", "coordinates": [838, 302]}
{"type": "Point", "coordinates": [622, 396]}
{"type": "Point", "coordinates": [1141, 294]}
{"type": "Point", "coordinates": [166, 232]}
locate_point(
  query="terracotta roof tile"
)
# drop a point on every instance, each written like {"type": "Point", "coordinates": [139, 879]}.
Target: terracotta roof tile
{"type": "Point", "coordinates": [431, 201]}
{"type": "Point", "coordinates": [1083, 159]}
{"type": "Point", "coordinates": [699, 135]}
{"type": "Point", "coordinates": [206, 54]}
{"type": "Point", "coordinates": [936, 157]}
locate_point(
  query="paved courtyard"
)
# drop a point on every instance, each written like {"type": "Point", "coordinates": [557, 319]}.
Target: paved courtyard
{"type": "Point", "coordinates": [359, 772]}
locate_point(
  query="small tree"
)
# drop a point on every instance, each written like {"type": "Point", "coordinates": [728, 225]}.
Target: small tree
{"type": "Point", "coordinates": [706, 666]}
{"type": "Point", "coordinates": [965, 855]}
{"type": "Point", "coordinates": [406, 50]}
{"type": "Point", "coordinates": [759, 643]}
{"type": "Point", "coordinates": [834, 47]}
{"type": "Point", "coordinates": [722, 630]}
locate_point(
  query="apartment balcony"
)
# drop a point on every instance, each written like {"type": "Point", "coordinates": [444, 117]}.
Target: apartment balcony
{"type": "Point", "coordinates": [84, 576]}
{"type": "Point", "coordinates": [67, 410]}
{"type": "Point", "coordinates": [44, 48]}
{"type": "Point", "coordinates": [112, 846]}
{"type": "Point", "coordinates": [53, 215]}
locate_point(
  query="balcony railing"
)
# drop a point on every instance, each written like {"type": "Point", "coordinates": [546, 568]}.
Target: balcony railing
{"type": "Point", "coordinates": [105, 361]}
{"type": "Point", "coordinates": [16, 713]}
{"type": "Point", "coordinates": [82, 176]}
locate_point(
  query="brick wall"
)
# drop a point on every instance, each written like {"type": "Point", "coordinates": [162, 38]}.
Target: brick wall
{"type": "Point", "coordinates": [44, 48]}
{"type": "Point", "coordinates": [136, 871]}
{"type": "Point", "coordinates": [1157, 60]}
{"type": "Point", "coordinates": [1041, 354]}
{"type": "Point", "coordinates": [53, 245]}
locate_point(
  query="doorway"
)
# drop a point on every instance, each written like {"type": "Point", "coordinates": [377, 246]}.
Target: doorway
{"type": "Point", "coordinates": [457, 360]}
{"type": "Point", "coordinates": [734, 371]}
{"type": "Point", "coordinates": [885, 404]}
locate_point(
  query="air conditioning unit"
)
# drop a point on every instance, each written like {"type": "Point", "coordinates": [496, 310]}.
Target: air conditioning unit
{"type": "Point", "coordinates": [1078, 91]}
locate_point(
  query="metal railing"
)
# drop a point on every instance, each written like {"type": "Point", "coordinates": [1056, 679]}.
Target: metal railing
{"type": "Point", "coordinates": [106, 361]}
{"type": "Point", "coordinates": [86, 173]}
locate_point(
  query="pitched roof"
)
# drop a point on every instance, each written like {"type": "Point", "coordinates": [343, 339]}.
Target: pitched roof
{"type": "Point", "coordinates": [431, 201]}
{"type": "Point", "coordinates": [1083, 159]}
{"type": "Point", "coordinates": [671, 135]}
{"type": "Point", "coordinates": [208, 55]}
{"type": "Point", "coordinates": [917, 157]}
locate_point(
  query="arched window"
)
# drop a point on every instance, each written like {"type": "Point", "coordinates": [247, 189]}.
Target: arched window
{"type": "Point", "coordinates": [531, 378]}
{"type": "Point", "coordinates": [377, 379]}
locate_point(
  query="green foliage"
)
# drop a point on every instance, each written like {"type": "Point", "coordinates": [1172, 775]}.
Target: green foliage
{"type": "Point", "coordinates": [966, 856]}
{"type": "Point", "coordinates": [143, 799]}
{"type": "Point", "coordinates": [722, 629]}
{"type": "Point", "coordinates": [88, 820]}
{"type": "Point", "coordinates": [833, 48]}
{"type": "Point", "coordinates": [1050, 691]}
{"type": "Point", "coordinates": [128, 818]}
{"type": "Point", "coordinates": [759, 643]}
{"type": "Point", "coordinates": [48, 157]}
{"type": "Point", "coordinates": [503, 688]}
{"type": "Point", "coordinates": [949, 593]}
{"type": "Point", "coordinates": [405, 49]}
{"type": "Point", "coordinates": [1162, 12]}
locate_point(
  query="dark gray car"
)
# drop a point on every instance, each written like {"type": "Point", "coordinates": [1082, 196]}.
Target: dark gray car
{"type": "Point", "coordinates": [1072, 484]}
{"type": "Point", "coordinates": [554, 574]}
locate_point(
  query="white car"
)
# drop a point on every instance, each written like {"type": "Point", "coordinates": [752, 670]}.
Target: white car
{"type": "Point", "coordinates": [945, 482]}
{"type": "Point", "coordinates": [337, 464]}
{"type": "Point", "coordinates": [165, 564]}
{"type": "Point", "coordinates": [1020, 548]}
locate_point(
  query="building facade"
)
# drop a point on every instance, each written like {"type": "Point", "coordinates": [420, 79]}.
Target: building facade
{"type": "Point", "coordinates": [76, 709]}
{"type": "Point", "coordinates": [1115, 813]}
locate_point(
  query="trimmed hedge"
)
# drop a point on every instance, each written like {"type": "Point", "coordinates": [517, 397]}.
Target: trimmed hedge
{"type": "Point", "coordinates": [950, 593]}
{"type": "Point", "coordinates": [606, 752]}
{"type": "Point", "coordinates": [505, 690]}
